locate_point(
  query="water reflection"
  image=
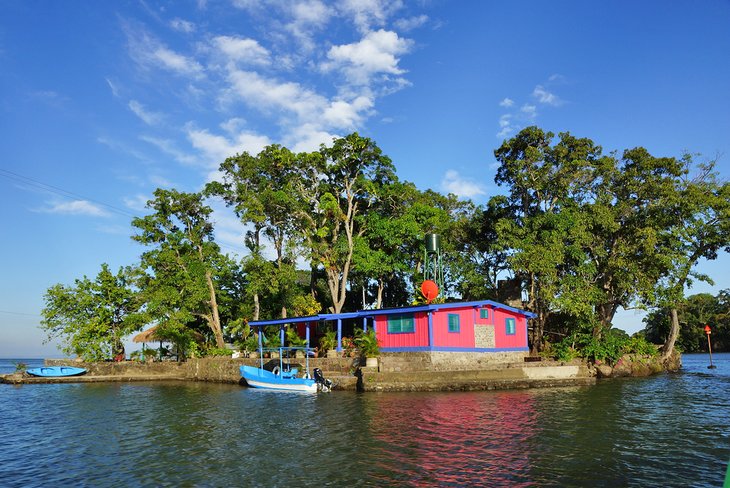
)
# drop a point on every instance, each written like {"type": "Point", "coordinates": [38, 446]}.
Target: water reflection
{"type": "Point", "coordinates": [456, 439]}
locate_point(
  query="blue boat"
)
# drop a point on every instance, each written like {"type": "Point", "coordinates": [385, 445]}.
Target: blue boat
{"type": "Point", "coordinates": [53, 371]}
{"type": "Point", "coordinates": [284, 377]}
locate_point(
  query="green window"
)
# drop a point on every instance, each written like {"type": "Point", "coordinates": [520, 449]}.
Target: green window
{"type": "Point", "coordinates": [483, 313]}
{"type": "Point", "coordinates": [453, 322]}
{"type": "Point", "coordinates": [399, 324]}
{"type": "Point", "coordinates": [509, 325]}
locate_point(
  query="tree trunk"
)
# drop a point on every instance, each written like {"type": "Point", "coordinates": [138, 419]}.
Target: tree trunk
{"type": "Point", "coordinates": [256, 306]}
{"type": "Point", "coordinates": [381, 286]}
{"type": "Point", "coordinates": [215, 323]}
{"type": "Point", "coordinates": [672, 337]}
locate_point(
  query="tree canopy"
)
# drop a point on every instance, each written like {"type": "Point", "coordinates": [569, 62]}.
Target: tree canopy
{"type": "Point", "coordinates": [575, 235]}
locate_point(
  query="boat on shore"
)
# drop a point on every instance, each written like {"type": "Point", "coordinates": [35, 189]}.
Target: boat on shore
{"type": "Point", "coordinates": [55, 371]}
{"type": "Point", "coordinates": [285, 376]}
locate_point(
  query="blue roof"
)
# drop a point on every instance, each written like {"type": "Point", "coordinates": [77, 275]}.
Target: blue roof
{"type": "Point", "coordinates": [386, 311]}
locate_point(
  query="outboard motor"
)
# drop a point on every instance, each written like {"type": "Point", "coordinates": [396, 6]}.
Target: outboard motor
{"type": "Point", "coordinates": [323, 383]}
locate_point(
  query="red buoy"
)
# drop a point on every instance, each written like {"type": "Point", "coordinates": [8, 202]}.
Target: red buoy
{"type": "Point", "coordinates": [430, 290]}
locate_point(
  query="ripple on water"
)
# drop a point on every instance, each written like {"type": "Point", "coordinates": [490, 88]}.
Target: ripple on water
{"type": "Point", "coordinates": [669, 430]}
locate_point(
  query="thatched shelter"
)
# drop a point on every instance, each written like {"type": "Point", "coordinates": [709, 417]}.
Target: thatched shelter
{"type": "Point", "coordinates": [148, 335]}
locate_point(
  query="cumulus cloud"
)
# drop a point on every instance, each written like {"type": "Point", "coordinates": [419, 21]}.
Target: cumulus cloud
{"type": "Point", "coordinates": [454, 183]}
{"type": "Point", "coordinates": [77, 207]}
{"type": "Point", "coordinates": [216, 148]}
{"type": "Point", "coordinates": [377, 52]}
{"type": "Point", "coordinates": [148, 117]}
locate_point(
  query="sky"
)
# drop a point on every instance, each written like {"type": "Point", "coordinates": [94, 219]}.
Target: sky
{"type": "Point", "coordinates": [103, 102]}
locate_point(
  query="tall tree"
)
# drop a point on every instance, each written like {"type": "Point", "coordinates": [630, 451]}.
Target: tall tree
{"type": "Point", "coordinates": [184, 262]}
{"type": "Point", "coordinates": [542, 229]}
{"type": "Point", "coordinates": [93, 316]}
{"type": "Point", "coordinates": [262, 190]}
{"type": "Point", "coordinates": [352, 174]}
{"type": "Point", "coordinates": [701, 229]}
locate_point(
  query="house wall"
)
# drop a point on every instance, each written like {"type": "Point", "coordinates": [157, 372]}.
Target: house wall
{"type": "Point", "coordinates": [418, 338]}
{"type": "Point", "coordinates": [504, 340]}
{"type": "Point", "coordinates": [462, 339]}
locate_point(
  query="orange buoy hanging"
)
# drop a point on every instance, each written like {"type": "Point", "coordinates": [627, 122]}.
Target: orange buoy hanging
{"type": "Point", "coordinates": [430, 290]}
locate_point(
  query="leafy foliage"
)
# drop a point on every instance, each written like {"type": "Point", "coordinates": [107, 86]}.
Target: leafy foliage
{"type": "Point", "coordinates": [92, 317]}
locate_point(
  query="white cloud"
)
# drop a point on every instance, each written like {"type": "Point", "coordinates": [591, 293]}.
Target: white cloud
{"type": "Point", "coordinates": [529, 110]}
{"type": "Point", "coordinates": [308, 16]}
{"type": "Point", "coordinates": [269, 93]}
{"type": "Point", "coordinates": [411, 22]}
{"type": "Point", "coordinates": [176, 62]}
{"type": "Point", "coordinates": [137, 202]}
{"type": "Point", "coordinates": [239, 49]}
{"type": "Point", "coordinates": [505, 126]}
{"type": "Point", "coordinates": [76, 207]}
{"type": "Point", "coordinates": [182, 25]}
{"type": "Point", "coordinates": [169, 147]}
{"type": "Point", "coordinates": [216, 148]}
{"type": "Point", "coordinates": [368, 13]}
{"type": "Point", "coordinates": [112, 87]}
{"type": "Point", "coordinates": [454, 183]}
{"type": "Point", "coordinates": [346, 115]}
{"type": "Point", "coordinates": [150, 53]}
{"type": "Point", "coordinates": [308, 137]}
{"type": "Point", "coordinates": [149, 118]}
{"type": "Point", "coordinates": [506, 102]}
{"type": "Point", "coordinates": [544, 96]}
{"type": "Point", "coordinates": [376, 52]}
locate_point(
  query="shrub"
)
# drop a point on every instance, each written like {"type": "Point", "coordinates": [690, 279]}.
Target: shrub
{"type": "Point", "coordinates": [328, 340]}
{"type": "Point", "coordinates": [367, 343]}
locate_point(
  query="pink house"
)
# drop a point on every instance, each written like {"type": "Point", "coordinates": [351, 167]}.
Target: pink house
{"type": "Point", "coordinates": [477, 326]}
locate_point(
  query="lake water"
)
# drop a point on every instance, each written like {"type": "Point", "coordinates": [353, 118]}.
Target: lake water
{"type": "Point", "coordinates": [667, 430]}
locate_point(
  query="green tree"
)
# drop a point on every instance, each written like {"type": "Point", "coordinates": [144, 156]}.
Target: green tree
{"type": "Point", "coordinates": [262, 190]}
{"type": "Point", "coordinates": [542, 228]}
{"type": "Point", "coordinates": [184, 264]}
{"type": "Point", "coordinates": [701, 229]}
{"type": "Point", "coordinates": [92, 317]}
{"type": "Point", "coordinates": [346, 180]}
{"type": "Point", "coordinates": [693, 314]}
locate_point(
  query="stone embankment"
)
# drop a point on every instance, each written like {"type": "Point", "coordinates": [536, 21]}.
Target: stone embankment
{"type": "Point", "coordinates": [395, 372]}
{"type": "Point", "coordinates": [639, 366]}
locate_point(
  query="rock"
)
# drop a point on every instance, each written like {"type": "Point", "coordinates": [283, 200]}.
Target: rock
{"type": "Point", "coordinates": [604, 370]}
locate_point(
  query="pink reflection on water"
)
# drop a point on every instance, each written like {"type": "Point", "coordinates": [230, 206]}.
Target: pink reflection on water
{"type": "Point", "coordinates": [457, 439]}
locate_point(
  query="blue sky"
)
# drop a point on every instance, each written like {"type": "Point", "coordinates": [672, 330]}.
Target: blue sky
{"type": "Point", "coordinates": [102, 102]}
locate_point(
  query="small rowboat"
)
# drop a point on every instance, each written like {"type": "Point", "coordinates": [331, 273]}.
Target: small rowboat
{"type": "Point", "coordinates": [50, 371]}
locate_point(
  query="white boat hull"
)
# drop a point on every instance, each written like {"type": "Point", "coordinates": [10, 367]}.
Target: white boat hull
{"type": "Point", "coordinates": [261, 378]}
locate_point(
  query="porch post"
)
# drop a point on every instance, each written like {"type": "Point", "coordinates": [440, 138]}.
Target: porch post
{"type": "Point", "coordinates": [430, 329]}
{"type": "Point", "coordinates": [339, 335]}
{"type": "Point", "coordinates": [307, 334]}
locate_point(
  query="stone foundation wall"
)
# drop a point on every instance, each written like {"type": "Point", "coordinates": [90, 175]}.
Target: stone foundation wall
{"type": "Point", "coordinates": [448, 361]}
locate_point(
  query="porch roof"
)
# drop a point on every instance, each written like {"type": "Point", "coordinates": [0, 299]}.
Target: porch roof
{"type": "Point", "coordinates": [386, 311]}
